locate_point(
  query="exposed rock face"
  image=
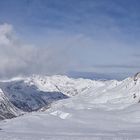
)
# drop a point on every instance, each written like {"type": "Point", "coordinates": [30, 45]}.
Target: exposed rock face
{"type": "Point", "coordinates": [17, 97]}
{"type": "Point", "coordinates": [28, 97]}
{"type": "Point", "coordinates": [7, 109]}
{"type": "Point", "coordinates": [137, 76]}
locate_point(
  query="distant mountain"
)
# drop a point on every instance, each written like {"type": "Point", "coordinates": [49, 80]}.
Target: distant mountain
{"type": "Point", "coordinates": [98, 76]}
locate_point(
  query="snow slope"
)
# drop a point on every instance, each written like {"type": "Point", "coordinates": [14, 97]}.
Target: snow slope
{"type": "Point", "coordinates": [79, 124]}
{"type": "Point", "coordinates": [95, 110]}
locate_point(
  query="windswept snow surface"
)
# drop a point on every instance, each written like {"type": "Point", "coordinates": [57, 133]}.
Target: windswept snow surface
{"type": "Point", "coordinates": [98, 110]}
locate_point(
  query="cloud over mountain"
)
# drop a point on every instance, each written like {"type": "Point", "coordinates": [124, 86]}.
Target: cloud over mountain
{"type": "Point", "coordinates": [18, 58]}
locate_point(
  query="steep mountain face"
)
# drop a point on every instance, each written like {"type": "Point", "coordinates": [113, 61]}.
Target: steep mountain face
{"type": "Point", "coordinates": [7, 109]}
{"type": "Point", "coordinates": [28, 97]}
{"type": "Point", "coordinates": [36, 92]}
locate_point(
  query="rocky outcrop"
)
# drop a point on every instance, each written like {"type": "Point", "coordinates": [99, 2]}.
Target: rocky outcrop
{"type": "Point", "coordinates": [137, 76]}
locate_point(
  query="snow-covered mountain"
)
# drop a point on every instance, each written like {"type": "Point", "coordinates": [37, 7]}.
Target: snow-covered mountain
{"type": "Point", "coordinates": [90, 109]}
{"type": "Point", "coordinates": [114, 92]}
{"type": "Point", "coordinates": [28, 97]}
{"type": "Point", "coordinates": [33, 93]}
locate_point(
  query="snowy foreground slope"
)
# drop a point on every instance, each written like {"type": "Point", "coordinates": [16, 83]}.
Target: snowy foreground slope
{"type": "Point", "coordinates": [70, 109]}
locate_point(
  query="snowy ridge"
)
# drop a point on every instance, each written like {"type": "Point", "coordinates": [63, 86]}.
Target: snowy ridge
{"type": "Point", "coordinates": [64, 84]}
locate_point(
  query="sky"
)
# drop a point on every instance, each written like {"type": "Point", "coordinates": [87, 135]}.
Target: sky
{"type": "Point", "coordinates": [74, 37]}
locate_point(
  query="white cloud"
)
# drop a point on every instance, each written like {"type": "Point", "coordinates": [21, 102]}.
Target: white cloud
{"type": "Point", "coordinates": [5, 33]}
{"type": "Point", "coordinates": [17, 58]}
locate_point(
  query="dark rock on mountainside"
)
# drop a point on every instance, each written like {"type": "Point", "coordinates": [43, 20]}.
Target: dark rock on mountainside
{"type": "Point", "coordinates": [28, 97]}
{"type": "Point", "coordinates": [137, 76]}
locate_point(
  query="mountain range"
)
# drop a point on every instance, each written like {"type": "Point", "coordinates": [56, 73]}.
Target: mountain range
{"type": "Point", "coordinates": [27, 94]}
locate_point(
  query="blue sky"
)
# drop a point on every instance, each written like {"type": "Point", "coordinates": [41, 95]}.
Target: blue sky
{"type": "Point", "coordinates": [92, 36]}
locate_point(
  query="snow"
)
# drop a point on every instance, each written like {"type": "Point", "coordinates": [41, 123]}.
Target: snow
{"type": "Point", "coordinates": [64, 84]}
{"type": "Point", "coordinates": [95, 123]}
{"type": "Point", "coordinates": [61, 114]}
{"type": "Point", "coordinates": [98, 110]}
